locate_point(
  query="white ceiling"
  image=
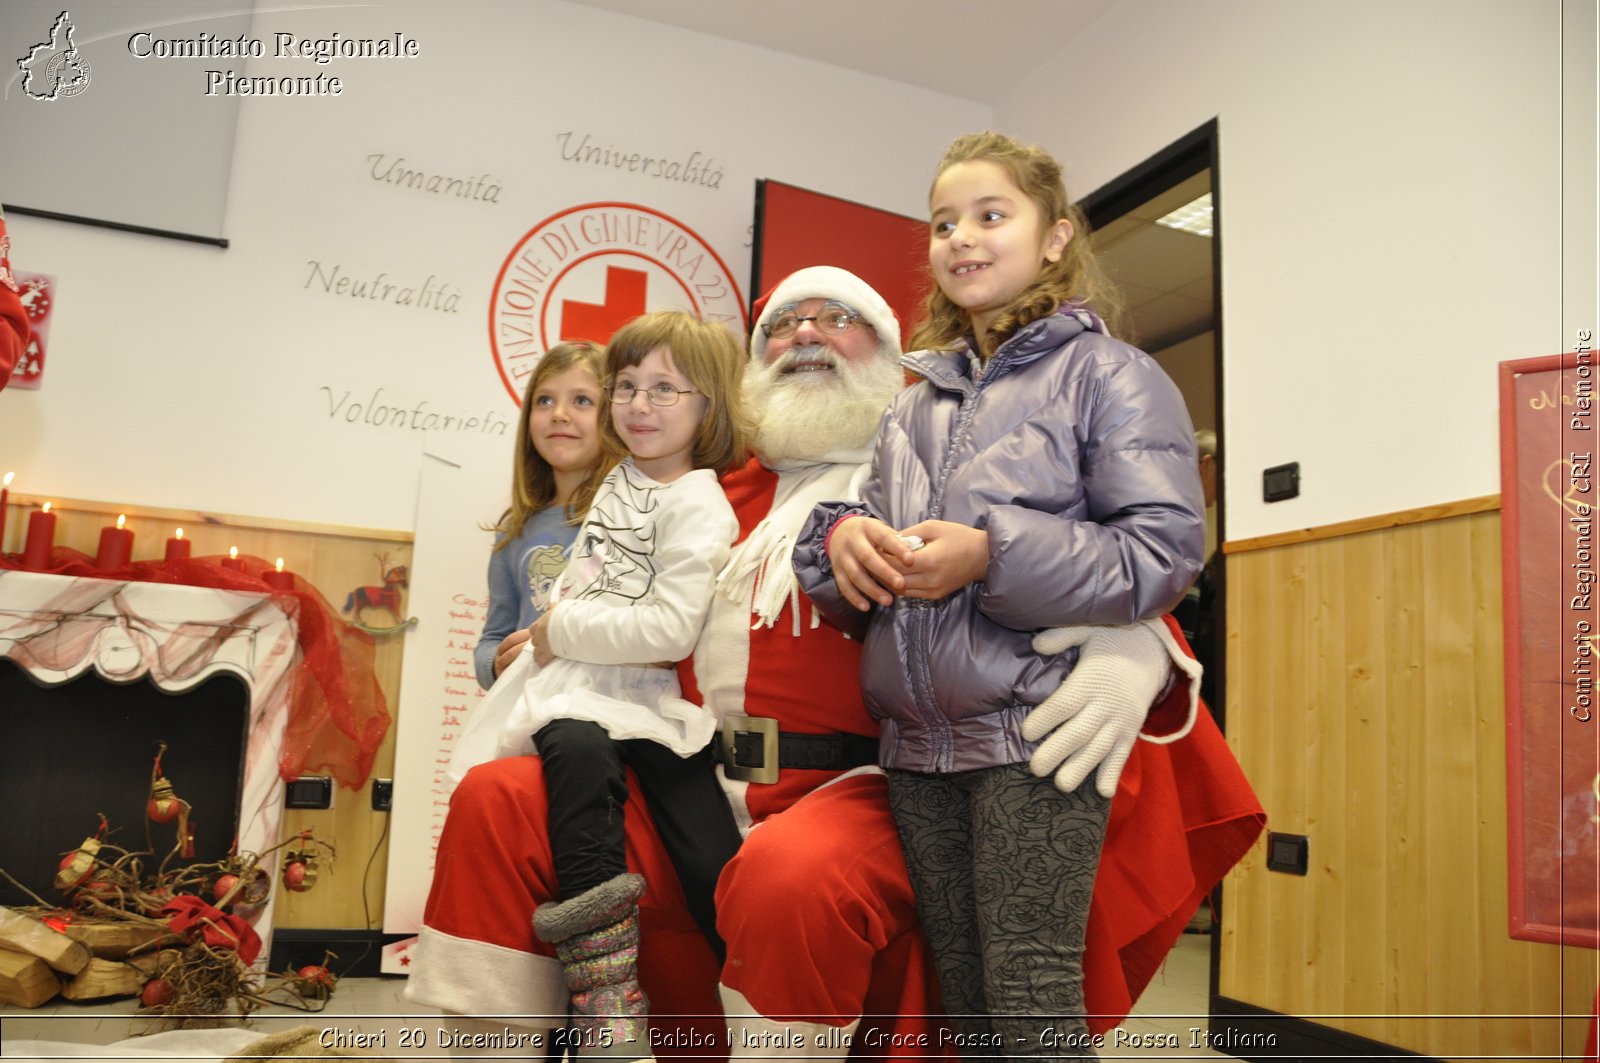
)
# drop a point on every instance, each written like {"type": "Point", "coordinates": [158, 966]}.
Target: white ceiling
{"type": "Point", "coordinates": [973, 50]}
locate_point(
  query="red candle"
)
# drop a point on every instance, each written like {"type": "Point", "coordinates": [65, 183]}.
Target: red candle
{"type": "Point", "coordinates": [178, 547]}
{"type": "Point", "coordinates": [5, 500]}
{"type": "Point", "coordinates": [278, 579]}
{"type": "Point", "coordinates": [116, 545]}
{"type": "Point", "coordinates": [232, 560]}
{"type": "Point", "coordinates": [41, 538]}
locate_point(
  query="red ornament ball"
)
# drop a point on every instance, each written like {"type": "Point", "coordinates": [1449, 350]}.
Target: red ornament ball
{"type": "Point", "coordinates": [155, 993]}
{"type": "Point", "coordinates": [163, 806]}
{"type": "Point", "coordinates": [294, 876]}
{"type": "Point", "coordinates": [224, 883]}
{"type": "Point", "coordinates": [316, 974]}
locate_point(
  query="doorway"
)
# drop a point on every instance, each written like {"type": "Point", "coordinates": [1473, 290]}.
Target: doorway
{"type": "Point", "coordinates": [1156, 229]}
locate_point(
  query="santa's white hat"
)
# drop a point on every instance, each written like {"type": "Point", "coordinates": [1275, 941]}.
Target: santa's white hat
{"type": "Point", "coordinates": [828, 282]}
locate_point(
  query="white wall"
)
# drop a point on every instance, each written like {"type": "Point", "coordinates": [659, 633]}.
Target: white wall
{"type": "Point", "coordinates": [191, 377]}
{"type": "Point", "coordinates": [1392, 223]}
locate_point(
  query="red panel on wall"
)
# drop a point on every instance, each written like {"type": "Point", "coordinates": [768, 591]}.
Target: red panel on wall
{"type": "Point", "coordinates": [1549, 502]}
{"type": "Point", "coordinates": [796, 228]}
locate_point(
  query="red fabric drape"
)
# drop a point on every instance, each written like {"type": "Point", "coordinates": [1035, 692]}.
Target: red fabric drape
{"type": "Point", "coordinates": [194, 920]}
{"type": "Point", "coordinates": [338, 715]}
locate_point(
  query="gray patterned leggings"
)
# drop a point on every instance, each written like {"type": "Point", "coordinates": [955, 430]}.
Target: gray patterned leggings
{"type": "Point", "coordinates": [1003, 865]}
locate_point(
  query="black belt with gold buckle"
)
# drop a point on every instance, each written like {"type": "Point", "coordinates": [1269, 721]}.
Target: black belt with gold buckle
{"type": "Point", "coordinates": [752, 749]}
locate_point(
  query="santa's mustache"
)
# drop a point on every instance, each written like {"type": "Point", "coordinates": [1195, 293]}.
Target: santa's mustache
{"type": "Point", "coordinates": [816, 354]}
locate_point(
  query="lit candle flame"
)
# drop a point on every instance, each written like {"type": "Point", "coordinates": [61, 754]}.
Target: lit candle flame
{"type": "Point", "coordinates": [122, 518]}
{"type": "Point", "coordinates": [180, 533]}
{"type": "Point", "coordinates": [280, 564]}
{"type": "Point", "coordinates": [233, 552]}
{"type": "Point", "coordinates": [7, 481]}
{"type": "Point", "coordinates": [47, 507]}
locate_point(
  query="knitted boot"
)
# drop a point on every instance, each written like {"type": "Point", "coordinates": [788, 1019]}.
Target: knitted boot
{"type": "Point", "coordinates": [596, 935]}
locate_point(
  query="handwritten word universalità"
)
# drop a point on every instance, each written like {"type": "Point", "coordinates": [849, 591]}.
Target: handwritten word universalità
{"type": "Point", "coordinates": [394, 171]}
{"type": "Point", "coordinates": [433, 294]}
{"type": "Point", "coordinates": [377, 413]}
{"type": "Point", "coordinates": [697, 169]}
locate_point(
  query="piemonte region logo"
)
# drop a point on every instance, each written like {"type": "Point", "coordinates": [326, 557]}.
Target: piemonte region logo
{"type": "Point", "coordinates": [55, 69]}
{"type": "Point", "coordinates": [586, 271]}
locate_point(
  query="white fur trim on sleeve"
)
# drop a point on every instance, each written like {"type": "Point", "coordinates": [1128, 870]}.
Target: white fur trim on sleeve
{"type": "Point", "coordinates": [1189, 667]}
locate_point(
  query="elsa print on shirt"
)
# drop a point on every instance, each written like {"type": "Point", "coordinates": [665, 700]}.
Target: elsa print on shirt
{"type": "Point", "coordinates": [615, 557]}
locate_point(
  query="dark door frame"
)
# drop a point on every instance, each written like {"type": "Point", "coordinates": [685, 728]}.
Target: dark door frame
{"type": "Point", "coordinates": [1177, 162]}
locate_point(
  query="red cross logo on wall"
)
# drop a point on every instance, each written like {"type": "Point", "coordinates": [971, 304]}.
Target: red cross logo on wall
{"type": "Point", "coordinates": [585, 271]}
{"type": "Point", "coordinates": [597, 321]}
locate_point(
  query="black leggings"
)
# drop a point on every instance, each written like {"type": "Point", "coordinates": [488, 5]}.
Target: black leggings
{"type": "Point", "coordinates": [586, 789]}
{"type": "Point", "coordinates": [1003, 865]}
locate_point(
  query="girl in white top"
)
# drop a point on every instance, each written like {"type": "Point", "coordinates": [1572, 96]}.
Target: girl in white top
{"type": "Point", "coordinates": [596, 691]}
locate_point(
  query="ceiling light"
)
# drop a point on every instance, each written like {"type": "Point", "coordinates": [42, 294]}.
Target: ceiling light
{"type": "Point", "coordinates": [1192, 217]}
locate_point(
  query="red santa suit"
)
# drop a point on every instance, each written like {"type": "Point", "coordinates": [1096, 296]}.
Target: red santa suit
{"type": "Point", "coordinates": [815, 908]}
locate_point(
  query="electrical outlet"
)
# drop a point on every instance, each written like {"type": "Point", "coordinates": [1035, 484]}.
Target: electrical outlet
{"type": "Point", "coordinates": [1289, 853]}
{"type": "Point", "coordinates": [1280, 482]}
{"type": "Point", "coordinates": [382, 795]}
{"type": "Point", "coordinates": [309, 791]}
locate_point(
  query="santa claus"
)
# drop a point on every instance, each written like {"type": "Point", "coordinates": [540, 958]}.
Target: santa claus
{"type": "Point", "coordinates": [824, 956]}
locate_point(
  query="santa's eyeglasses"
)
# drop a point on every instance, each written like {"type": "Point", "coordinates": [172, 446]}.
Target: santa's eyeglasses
{"type": "Point", "coordinates": [831, 320]}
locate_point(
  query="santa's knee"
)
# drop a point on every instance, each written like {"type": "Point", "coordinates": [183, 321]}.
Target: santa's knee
{"type": "Point", "coordinates": [770, 876]}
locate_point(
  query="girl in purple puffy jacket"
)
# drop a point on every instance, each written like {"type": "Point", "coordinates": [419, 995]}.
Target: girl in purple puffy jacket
{"type": "Point", "coordinates": [1041, 475]}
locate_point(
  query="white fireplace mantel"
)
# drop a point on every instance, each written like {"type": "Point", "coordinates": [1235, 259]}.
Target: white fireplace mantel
{"type": "Point", "coordinates": [176, 636]}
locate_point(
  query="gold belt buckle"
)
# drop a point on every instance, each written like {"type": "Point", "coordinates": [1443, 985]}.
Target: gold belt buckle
{"type": "Point", "coordinates": [734, 725]}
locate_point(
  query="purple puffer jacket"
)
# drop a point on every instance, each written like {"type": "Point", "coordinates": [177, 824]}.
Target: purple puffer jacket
{"type": "Point", "coordinates": [1075, 452]}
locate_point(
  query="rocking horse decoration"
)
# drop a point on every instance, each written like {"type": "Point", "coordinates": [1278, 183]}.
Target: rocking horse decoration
{"type": "Point", "coordinates": [386, 598]}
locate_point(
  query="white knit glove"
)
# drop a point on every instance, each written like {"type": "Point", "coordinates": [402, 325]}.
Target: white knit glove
{"type": "Point", "coordinates": [1094, 718]}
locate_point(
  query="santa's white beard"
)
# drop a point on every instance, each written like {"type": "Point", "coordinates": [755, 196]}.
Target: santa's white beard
{"type": "Point", "coordinates": [818, 415]}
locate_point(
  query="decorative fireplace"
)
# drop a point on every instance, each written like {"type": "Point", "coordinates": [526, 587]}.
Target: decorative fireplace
{"type": "Point", "coordinates": [178, 639]}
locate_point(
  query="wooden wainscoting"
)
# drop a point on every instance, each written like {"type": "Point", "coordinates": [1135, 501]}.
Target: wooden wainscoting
{"type": "Point", "coordinates": [1366, 702]}
{"type": "Point", "coordinates": [335, 559]}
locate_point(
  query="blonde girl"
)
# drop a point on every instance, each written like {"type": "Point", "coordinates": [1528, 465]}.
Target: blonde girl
{"type": "Point", "coordinates": [557, 466]}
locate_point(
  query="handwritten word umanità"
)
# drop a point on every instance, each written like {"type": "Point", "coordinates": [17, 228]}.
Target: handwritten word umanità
{"type": "Point", "coordinates": [434, 294]}
{"type": "Point", "coordinates": [697, 169]}
{"type": "Point", "coordinates": [418, 418]}
{"type": "Point", "coordinates": [480, 187]}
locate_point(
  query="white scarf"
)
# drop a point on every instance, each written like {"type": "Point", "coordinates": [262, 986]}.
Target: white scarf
{"type": "Point", "coordinates": [761, 569]}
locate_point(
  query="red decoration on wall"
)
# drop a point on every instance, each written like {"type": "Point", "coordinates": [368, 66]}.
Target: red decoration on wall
{"type": "Point", "coordinates": [38, 293]}
{"type": "Point", "coordinates": [796, 228]}
{"type": "Point", "coordinates": [1550, 498]}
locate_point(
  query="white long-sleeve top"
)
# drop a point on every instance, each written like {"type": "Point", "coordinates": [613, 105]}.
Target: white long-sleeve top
{"type": "Point", "coordinates": [635, 592]}
{"type": "Point", "coordinates": [643, 569]}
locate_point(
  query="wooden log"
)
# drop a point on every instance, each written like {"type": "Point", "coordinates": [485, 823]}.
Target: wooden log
{"type": "Point", "coordinates": [25, 934]}
{"type": "Point", "coordinates": [26, 981]}
{"type": "Point", "coordinates": [112, 940]}
{"type": "Point", "coordinates": [104, 978]}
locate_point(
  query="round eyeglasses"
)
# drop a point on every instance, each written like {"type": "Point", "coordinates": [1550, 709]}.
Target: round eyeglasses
{"type": "Point", "coordinates": [831, 320]}
{"type": "Point", "coordinates": [658, 394]}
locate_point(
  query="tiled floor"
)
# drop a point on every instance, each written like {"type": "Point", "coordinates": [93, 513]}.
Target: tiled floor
{"type": "Point", "coordinates": [1161, 1027]}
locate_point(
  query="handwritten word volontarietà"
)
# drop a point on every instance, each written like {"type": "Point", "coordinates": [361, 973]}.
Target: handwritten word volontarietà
{"type": "Point", "coordinates": [377, 413]}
